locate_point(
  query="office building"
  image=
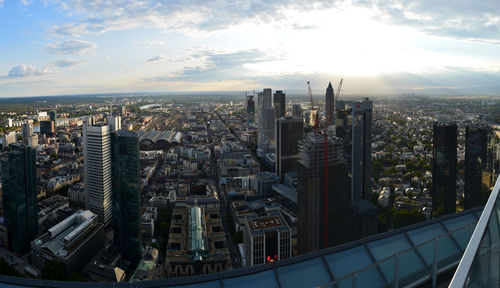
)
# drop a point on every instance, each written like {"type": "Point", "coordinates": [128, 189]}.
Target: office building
{"type": "Point", "coordinates": [8, 138]}
{"type": "Point", "coordinates": [265, 141]}
{"type": "Point", "coordinates": [279, 104]}
{"type": "Point", "coordinates": [329, 100]}
{"type": "Point", "coordinates": [27, 133]}
{"type": "Point", "coordinates": [126, 200]}
{"type": "Point", "coordinates": [47, 127]}
{"type": "Point", "coordinates": [354, 127]}
{"type": "Point", "coordinates": [197, 243]}
{"type": "Point", "coordinates": [478, 164]}
{"type": "Point", "coordinates": [53, 118]}
{"type": "Point", "coordinates": [73, 242]}
{"type": "Point", "coordinates": [115, 123]}
{"type": "Point", "coordinates": [266, 239]}
{"type": "Point", "coordinates": [296, 111]}
{"type": "Point", "coordinates": [444, 168]}
{"type": "Point", "coordinates": [19, 201]}
{"type": "Point", "coordinates": [97, 170]}
{"type": "Point", "coordinates": [250, 109]}
{"type": "Point", "coordinates": [323, 217]}
{"type": "Point", "coordinates": [288, 133]}
{"type": "Point", "coordinates": [123, 110]}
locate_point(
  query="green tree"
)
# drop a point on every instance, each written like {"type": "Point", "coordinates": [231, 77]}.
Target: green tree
{"type": "Point", "coordinates": [403, 218]}
{"type": "Point", "coordinates": [6, 269]}
{"type": "Point", "coordinates": [53, 270]}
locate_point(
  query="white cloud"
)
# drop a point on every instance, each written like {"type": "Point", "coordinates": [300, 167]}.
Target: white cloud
{"type": "Point", "coordinates": [158, 58]}
{"type": "Point", "coordinates": [26, 70]}
{"type": "Point", "coordinates": [70, 47]}
{"type": "Point", "coordinates": [65, 63]}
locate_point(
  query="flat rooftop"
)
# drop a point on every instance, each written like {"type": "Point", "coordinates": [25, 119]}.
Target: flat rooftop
{"type": "Point", "coordinates": [266, 222]}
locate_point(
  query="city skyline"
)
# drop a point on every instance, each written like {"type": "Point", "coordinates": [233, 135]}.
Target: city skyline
{"type": "Point", "coordinates": [78, 47]}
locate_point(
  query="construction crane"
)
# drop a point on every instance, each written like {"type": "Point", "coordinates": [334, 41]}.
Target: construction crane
{"type": "Point", "coordinates": [325, 127]}
{"type": "Point", "coordinates": [316, 120]}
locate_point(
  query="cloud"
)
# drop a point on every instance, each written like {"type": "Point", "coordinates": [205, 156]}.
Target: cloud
{"type": "Point", "coordinates": [26, 70]}
{"type": "Point", "coordinates": [70, 47]}
{"type": "Point", "coordinates": [26, 2]}
{"type": "Point", "coordinates": [66, 63]}
{"type": "Point", "coordinates": [468, 20]}
{"type": "Point", "coordinates": [212, 65]}
{"type": "Point", "coordinates": [158, 58]}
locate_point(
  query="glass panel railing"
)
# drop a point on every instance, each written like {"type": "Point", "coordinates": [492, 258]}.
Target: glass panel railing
{"type": "Point", "coordinates": [407, 267]}
{"type": "Point", "coordinates": [481, 259]}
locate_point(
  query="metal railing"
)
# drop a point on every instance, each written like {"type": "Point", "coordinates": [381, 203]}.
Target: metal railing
{"type": "Point", "coordinates": [428, 272]}
{"type": "Point", "coordinates": [462, 274]}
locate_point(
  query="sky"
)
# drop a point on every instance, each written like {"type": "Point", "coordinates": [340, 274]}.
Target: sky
{"type": "Point", "coordinates": [56, 47]}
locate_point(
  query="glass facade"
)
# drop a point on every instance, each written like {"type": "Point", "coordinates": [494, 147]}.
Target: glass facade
{"type": "Point", "coordinates": [126, 193]}
{"type": "Point", "coordinates": [444, 168]}
{"type": "Point", "coordinates": [19, 202]}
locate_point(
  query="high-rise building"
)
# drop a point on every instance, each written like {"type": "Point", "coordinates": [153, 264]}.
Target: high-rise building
{"type": "Point", "coordinates": [115, 123]}
{"type": "Point", "coordinates": [97, 170]}
{"type": "Point", "coordinates": [9, 138]}
{"type": "Point", "coordinates": [267, 239]}
{"type": "Point", "coordinates": [250, 109]}
{"type": "Point", "coordinates": [279, 104]}
{"type": "Point", "coordinates": [265, 141]}
{"type": "Point", "coordinates": [47, 127]}
{"type": "Point", "coordinates": [19, 201]}
{"type": "Point", "coordinates": [53, 117]}
{"type": "Point", "coordinates": [444, 168]}
{"type": "Point", "coordinates": [329, 100]}
{"type": "Point", "coordinates": [27, 132]}
{"type": "Point", "coordinates": [322, 217]}
{"type": "Point", "coordinates": [123, 110]}
{"type": "Point", "coordinates": [288, 133]}
{"type": "Point", "coordinates": [478, 164]}
{"type": "Point", "coordinates": [126, 193]}
{"type": "Point", "coordinates": [354, 127]}
{"type": "Point", "coordinates": [296, 111]}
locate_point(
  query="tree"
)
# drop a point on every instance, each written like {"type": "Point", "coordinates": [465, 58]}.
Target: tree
{"type": "Point", "coordinates": [403, 218]}
{"type": "Point", "coordinates": [53, 270]}
{"type": "Point", "coordinates": [6, 269]}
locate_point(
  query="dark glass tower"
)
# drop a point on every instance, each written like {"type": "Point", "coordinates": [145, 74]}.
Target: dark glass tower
{"type": "Point", "coordinates": [53, 117]}
{"type": "Point", "coordinates": [19, 202]}
{"type": "Point", "coordinates": [126, 193]}
{"type": "Point", "coordinates": [477, 138]}
{"type": "Point", "coordinates": [329, 98]}
{"type": "Point", "coordinates": [279, 104]}
{"type": "Point", "coordinates": [47, 127]}
{"type": "Point", "coordinates": [250, 109]}
{"type": "Point", "coordinates": [288, 133]}
{"type": "Point", "coordinates": [444, 168]}
{"type": "Point", "coordinates": [321, 223]}
{"type": "Point", "coordinates": [354, 127]}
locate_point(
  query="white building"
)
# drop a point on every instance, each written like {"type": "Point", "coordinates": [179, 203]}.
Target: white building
{"type": "Point", "coordinates": [97, 171]}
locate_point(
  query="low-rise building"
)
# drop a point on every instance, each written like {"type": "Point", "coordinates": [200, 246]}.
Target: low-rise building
{"type": "Point", "coordinates": [72, 242]}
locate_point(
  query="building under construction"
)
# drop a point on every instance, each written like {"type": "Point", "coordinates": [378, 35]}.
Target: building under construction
{"type": "Point", "coordinates": [323, 217]}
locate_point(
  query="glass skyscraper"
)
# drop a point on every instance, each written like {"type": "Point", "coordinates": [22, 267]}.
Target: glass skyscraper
{"type": "Point", "coordinates": [444, 168]}
{"type": "Point", "coordinates": [19, 202]}
{"type": "Point", "coordinates": [126, 193]}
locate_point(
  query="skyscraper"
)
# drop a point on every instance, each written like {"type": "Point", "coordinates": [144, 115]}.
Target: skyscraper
{"type": "Point", "coordinates": [265, 142]}
{"type": "Point", "coordinates": [354, 127]}
{"type": "Point", "coordinates": [53, 117]}
{"type": "Point", "coordinates": [478, 165]}
{"type": "Point", "coordinates": [250, 109]}
{"type": "Point", "coordinates": [444, 168]}
{"type": "Point", "coordinates": [322, 217]}
{"type": "Point", "coordinates": [296, 111]}
{"type": "Point", "coordinates": [126, 193]}
{"type": "Point", "coordinates": [27, 132]}
{"type": "Point", "coordinates": [19, 201]}
{"type": "Point", "coordinates": [47, 127]}
{"type": "Point", "coordinates": [97, 170]}
{"type": "Point", "coordinates": [279, 104]}
{"type": "Point", "coordinates": [288, 133]}
{"type": "Point", "coordinates": [329, 99]}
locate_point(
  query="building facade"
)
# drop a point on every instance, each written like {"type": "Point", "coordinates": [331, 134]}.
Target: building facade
{"type": "Point", "coordinates": [279, 102]}
{"type": "Point", "coordinates": [19, 201]}
{"type": "Point", "coordinates": [329, 100]}
{"type": "Point", "coordinates": [478, 164]}
{"type": "Point", "coordinates": [444, 168]}
{"type": "Point", "coordinates": [266, 239]}
{"type": "Point", "coordinates": [53, 118]}
{"type": "Point", "coordinates": [250, 109]}
{"type": "Point", "coordinates": [288, 133]}
{"type": "Point", "coordinates": [126, 193]}
{"type": "Point", "coordinates": [267, 115]}
{"type": "Point", "coordinates": [97, 170]}
{"type": "Point", "coordinates": [323, 202]}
